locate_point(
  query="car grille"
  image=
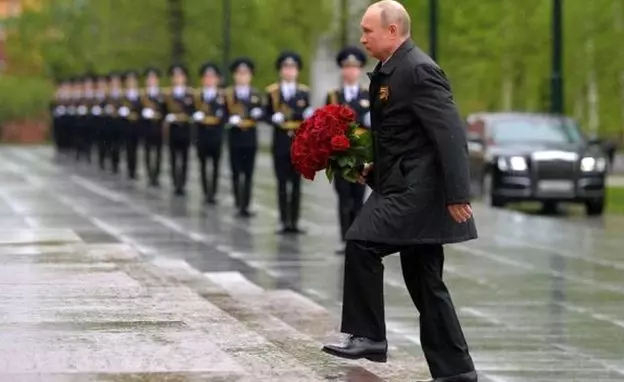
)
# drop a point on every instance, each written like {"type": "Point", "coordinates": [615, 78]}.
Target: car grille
{"type": "Point", "coordinates": [557, 169]}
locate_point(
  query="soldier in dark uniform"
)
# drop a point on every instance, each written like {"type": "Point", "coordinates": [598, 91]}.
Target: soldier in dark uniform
{"type": "Point", "coordinates": [179, 107]}
{"type": "Point", "coordinates": [350, 195]}
{"type": "Point", "coordinates": [58, 111]}
{"type": "Point", "coordinates": [209, 106]}
{"type": "Point", "coordinates": [98, 120]}
{"type": "Point", "coordinates": [152, 101]}
{"type": "Point", "coordinates": [114, 126]}
{"type": "Point", "coordinates": [86, 132]}
{"type": "Point", "coordinates": [288, 103]}
{"type": "Point", "coordinates": [72, 114]}
{"type": "Point", "coordinates": [244, 110]}
{"type": "Point", "coordinates": [129, 112]}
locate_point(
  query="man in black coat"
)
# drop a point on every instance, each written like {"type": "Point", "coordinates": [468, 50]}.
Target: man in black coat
{"type": "Point", "coordinates": [420, 200]}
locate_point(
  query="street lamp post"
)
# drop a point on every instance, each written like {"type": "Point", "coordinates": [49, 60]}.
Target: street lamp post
{"type": "Point", "coordinates": [433, 29]}
{"type": "Point", "coordinates": [227, 34]}
{"type": "Point", "coordinates": [556, 103]}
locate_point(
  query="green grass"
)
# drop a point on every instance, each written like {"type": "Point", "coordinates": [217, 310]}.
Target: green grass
{"type": "Point", "coordinates": [615, 200]}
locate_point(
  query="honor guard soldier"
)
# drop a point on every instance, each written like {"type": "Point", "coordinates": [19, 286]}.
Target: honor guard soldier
{"type": "Point", "coordinates": [87, 132]}
{"type": "Point", "coordinates": [287, 104]}
{"type": "Point", "coordinates": [179, 107]}
{"type": "Point", "coordinates": [58, 110]}
{"type": "Point", "coordinates": [350, 195]}
{"type": "Point", "coordinates": [129, 113]}
{"type": "Point", "coordinates": [114, 125]}
{"type": "Point", "coordinates": [244, 110]}
{"type": "Point", "coordinates": [72, 114]}
{"type": "Point", "coordinates": [209, 106]}
{"type": "Point", "coordinates": [152, 102]}
{"type": "Point", "coordinates": [97, 116]}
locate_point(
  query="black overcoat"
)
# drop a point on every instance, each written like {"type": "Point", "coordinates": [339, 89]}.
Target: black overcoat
{"type": "Point", "coordinates": [421, 156]}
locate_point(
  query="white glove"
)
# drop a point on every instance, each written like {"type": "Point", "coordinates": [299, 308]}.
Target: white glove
{"type": "Point", "coordinates": [367, 119]}
{"type": "Point", "coordinates": [82, 110]}
{"type": "Point", "coordinates": [235, 120]}
{"type": "Point", "coordinates": [199, 116]}
{"type": "Point", "coordinates": [170, 118]}
{"type": "Point", "coordinates": [148, 113]}
{"type": "Point", "coordinates": [256, 113]}
{"type": "Point", "coordinates": [60, 110]}
{"type": "Point", "coordinates": [307, 113]}
{"type": "Point", "coordinates": [96, 110]}
{"type": "Point", "coordinates": [124, 111]}
{"type": "Point", "coordinates": [278, 118]}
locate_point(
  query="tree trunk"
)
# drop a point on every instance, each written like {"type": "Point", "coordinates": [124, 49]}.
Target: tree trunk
{"type": "Point", "coordinates": [592, 83]}
{"type": "Point", "coordinates": [176, 25]}
{"type": "Point", "coordinates": [508, 77]}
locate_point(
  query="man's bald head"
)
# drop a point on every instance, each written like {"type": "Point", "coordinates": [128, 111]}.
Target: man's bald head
{"type": "Point", "coordinates": [385, 26]}
{"type": "Point", "coordinates": [393, 12]}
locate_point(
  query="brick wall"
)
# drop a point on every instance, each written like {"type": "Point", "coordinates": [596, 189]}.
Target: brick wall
{"type": "Point", "coordinates": [32, 132]}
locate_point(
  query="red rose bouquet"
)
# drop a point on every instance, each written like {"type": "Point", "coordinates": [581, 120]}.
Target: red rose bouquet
{"type": "Point", "coordinates": [331, 140]}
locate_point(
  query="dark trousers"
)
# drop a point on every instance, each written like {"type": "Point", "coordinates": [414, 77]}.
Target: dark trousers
{"type": "Point", "coordinates": [289, 200]}
{"type": "Point", "coordinates": [103, 137]}
{"type": "Point", "coordinates": [115, 141]}
{"type": "Point", "coordinates": [153, 150]}
{"type": "Point", "coordinates": [242, 164]}
{"type": "Point", "coordinates": [441, 336]}
{"type": "Point", "coordinates": [179, 143]}
{"type": "Point", "coordinates": [350, 201]}
{"type": "Point", "coordinates": [209, 148]}
{"type": "Point", "coordinates": [133, 136]}
{"type": "Point", "coordinates": [82, 139]}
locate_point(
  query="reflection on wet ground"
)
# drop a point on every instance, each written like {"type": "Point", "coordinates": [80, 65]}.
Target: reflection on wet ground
{"type": "Point", "coordinates": [540, 298]}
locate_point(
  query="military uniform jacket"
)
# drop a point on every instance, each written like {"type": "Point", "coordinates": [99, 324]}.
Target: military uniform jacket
{"type": "Point", "coordinates": [243, 135]}
{"type": "Point", "coordinates": [209, 113]}
{"type": "Point", "coordinates": [112, 105]}
{"type": "Point", "coordinates": [293, 110]}
{"type": "Point", "coordinates": [130, 109]}
{"type": "Point", "coordinates": [359, 104]}
{"type": "Point", "coordinates": [152, 105]}
{"type": "Point", "coordinates": [420, 156]}
{"type": "Point", "coordinates": [179, 108]}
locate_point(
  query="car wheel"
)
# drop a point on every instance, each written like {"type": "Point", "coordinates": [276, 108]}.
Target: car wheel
{"type": "Point", "coordinates": [488, 193]}
{"type": "Point", "coordinates": [595, 207]}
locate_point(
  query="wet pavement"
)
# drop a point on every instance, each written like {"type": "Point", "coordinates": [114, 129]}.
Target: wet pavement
{"type": "Point", "coordinates": [540, 298]}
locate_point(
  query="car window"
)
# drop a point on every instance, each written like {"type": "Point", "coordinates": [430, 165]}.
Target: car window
{"type": "Point", "coordinates": [538, 130]}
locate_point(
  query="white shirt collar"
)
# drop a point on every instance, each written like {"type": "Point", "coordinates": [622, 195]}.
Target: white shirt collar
{"type": "Point", "coordinates": [242, 91]}
{"type": "Point", "coordinates": [153, 90]}
{"type": "Point", "coordinates": [210, 93]}
{"type": "Point", "coordinates": [132, 93]}
{"type": "Point", "coordinates": [179, 90]}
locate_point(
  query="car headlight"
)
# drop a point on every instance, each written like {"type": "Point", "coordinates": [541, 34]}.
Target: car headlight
{"type": "Point", "coordinates": [518, 164]}
{"type": "Point", "coordinates": [591, 164]}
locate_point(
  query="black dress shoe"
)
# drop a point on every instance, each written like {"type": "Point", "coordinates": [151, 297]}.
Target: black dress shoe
{"type": "Point", "coordinates": [179, 192]}
{"type": "Point", "coordinates": [340, 251]}
{"type": "Point", "coordinates": [246, 214]}
{"type": "Point", "coordinates": [360, 347]}
{"type": "Point", "coordinates": [470, 376]}
{"type": "Point", "coordinates": [295, 230]}
{"type": "Point", "coordinates": [282, 231]}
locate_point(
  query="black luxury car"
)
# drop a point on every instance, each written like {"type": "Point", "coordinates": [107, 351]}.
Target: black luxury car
{"type": "Point", "coordinates": [535, 157]}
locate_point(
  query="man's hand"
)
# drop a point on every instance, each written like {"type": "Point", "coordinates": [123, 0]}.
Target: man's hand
{"type": "Point", "coordinates": [365, 171]}
{"type": "Point", "coordinates": [460, 212]}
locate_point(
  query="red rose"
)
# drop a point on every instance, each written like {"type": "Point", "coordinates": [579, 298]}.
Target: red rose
{"type": "Point", "coordinates": [346, 114]}
{"type": "Point", "coordinates": [340, 143]}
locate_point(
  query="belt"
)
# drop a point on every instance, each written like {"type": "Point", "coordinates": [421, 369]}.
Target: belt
{"type": "Point", "coordinates": [247, 124]}
{"type": "Point", "coordinates": [156, 117]}
{"type": "Point", "coordinates": [291, 125]}
{"type": "Point", "coordinates": [180, 117]}
{"type": "Point", "coordinates": [210, 121]}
